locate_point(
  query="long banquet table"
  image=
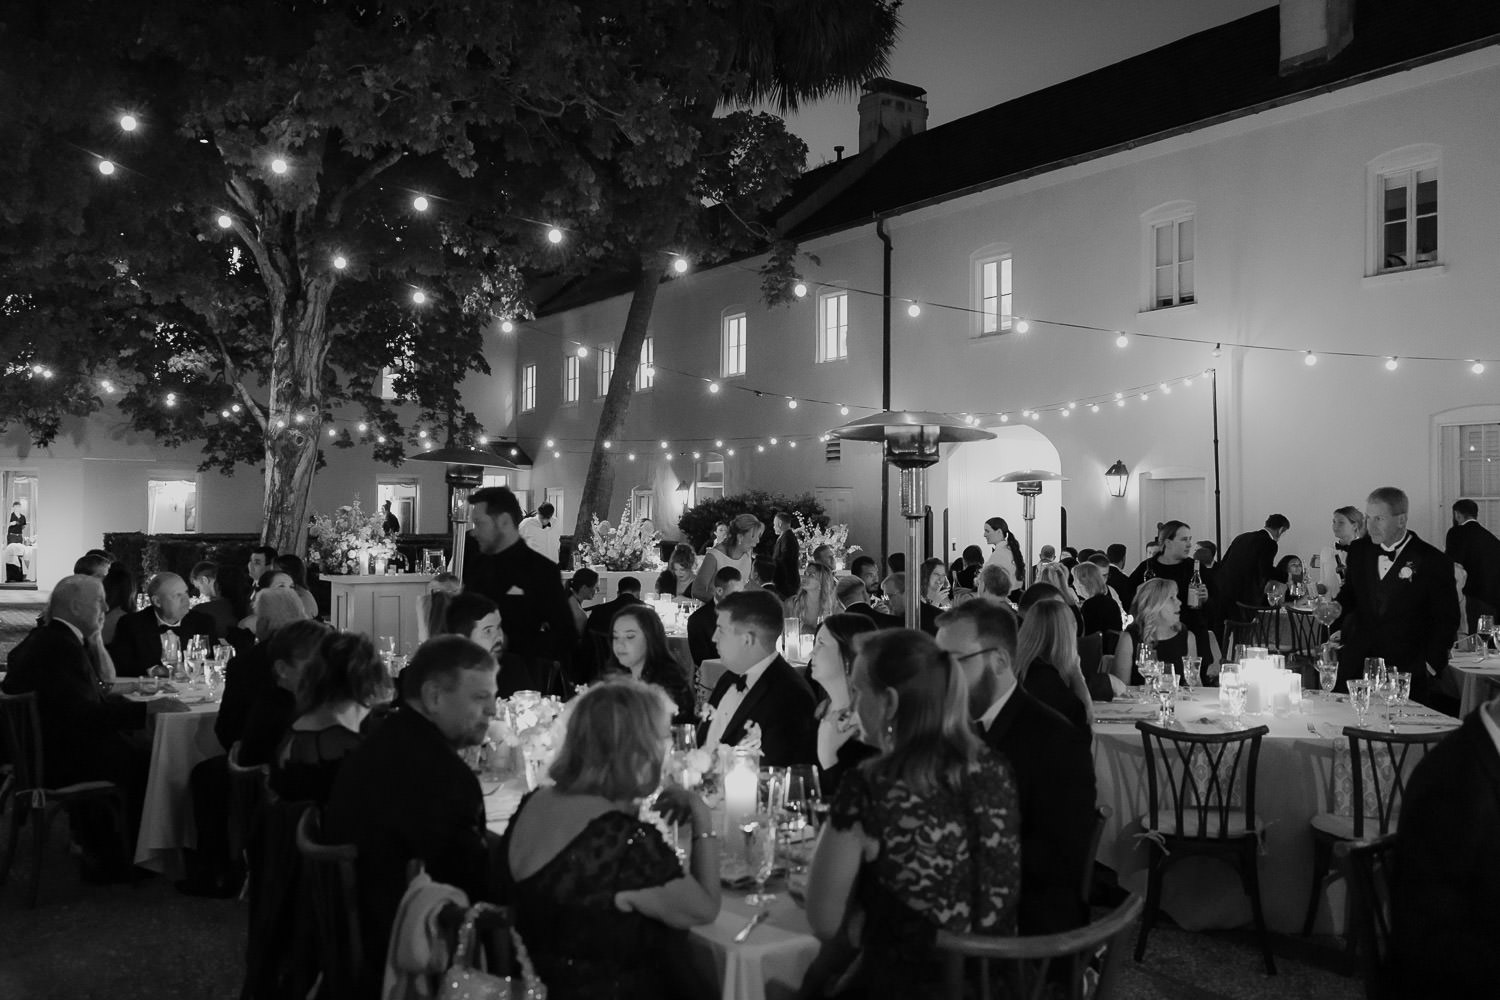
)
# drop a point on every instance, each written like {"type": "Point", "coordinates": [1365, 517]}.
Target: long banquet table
{"type": "Point", "coordinates": [1303, 770]}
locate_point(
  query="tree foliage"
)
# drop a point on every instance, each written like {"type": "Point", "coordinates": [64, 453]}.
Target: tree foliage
{"type": "Point", "coordinates": [697, 522]}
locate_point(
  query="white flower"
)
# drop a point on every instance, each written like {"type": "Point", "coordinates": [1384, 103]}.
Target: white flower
{"type": "Point", "coordinates": [1406, 573]}
{"type": "Point", "coordinates": [751, 739]}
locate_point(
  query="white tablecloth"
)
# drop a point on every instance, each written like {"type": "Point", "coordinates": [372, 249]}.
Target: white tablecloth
{"type": "Point", "coordinates": [1476, 682]}
{"type": "Point", "coordinates": [1297, 779]}
{"type": "Point", "coordinates": [181, 741]}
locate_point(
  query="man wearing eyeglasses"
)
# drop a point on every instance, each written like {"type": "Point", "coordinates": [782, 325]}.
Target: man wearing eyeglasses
{"type": "Point", "coordinates": [1049, 756]}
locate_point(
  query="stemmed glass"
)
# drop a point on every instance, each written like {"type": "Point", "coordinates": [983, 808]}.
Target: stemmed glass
{"type": "Point", "coordinates": [1191, 673]}
{"type": "Point", "coordinates": [1374, 667]}
{"type": "Point", "coordinates": [1149, 668]}
{"type": "Point", "coordinates": [1359, 699]}
{"type": "Point", "coordinates": [1234, 701]}
{"type": "Point", "coordinates": [797, 818]}
{"type": "Point", "coordinates": [1164, 686]}
{"type": "Point", "coordinates": [1328, 677]}
{"type": "Point", "coordinates": [759, 829]}
{"type": "Point", "coordinates": [1275, 591]}
{"type": "Point", "coordinates": [1388, 687]}
{"type": "Point", "coordinates": [1485, 626]}
{"type": "Point", "coordinates": [1403, 691]}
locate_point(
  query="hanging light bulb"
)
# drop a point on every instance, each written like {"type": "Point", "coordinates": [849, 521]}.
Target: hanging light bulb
{"type": "Point", "coordinates": [1122, 341]}
{"type": "Point", "coordinates": [1145, 396]}
{"type": "Point", "coordinates": [1005, 418]}
{"type": "Point", "coordinates": [791, 444]}
{"type": "Point", "coordinates": [280, 424]}
{"type": "Point", "coordinates": [340, 262]}
{"type": "Point", "coordinates": [234, 408]}
{"type": "Point", "coordinates": [299, 418]}
{"type": "Point", "coordinates": [1022, 326]}
{"type": "Point", "coordinates": [363, 426]}
{"type": "Point", "coordinates": [1072, 406]}
{"type": "Point", "coordinates": [420, 203]}
{"type": "Point", "coordinates": [1066, 412]}
{"type": "Point", "coordinates": [843, 411]}
{"type": "Point", "coordinates": [1187, 383]}
{"type": "Point", "coordinates": [760, 447]}
{"type": "Point", "coordinates": [128, 123]}
{"type": "Point", "coordinates": [422, 433]}
{"type": "Point", "coordinates": [484, 439]}
{"type": "Point", "coordinates": [582, 351]}
{"type": "Point", "coordinates": [774, 442]}
{"type": "Point", "coordinates": [791, 404]}
{"type": "Point", "coordinates": [1391, 364]}
{"type": "Point", "coordinates": [1094, 407]}
{"type": "Point", "coordinates": [1477, 367]}
{"type": "Point", "coordinates": [278, 166]}
{"type": "Point", "coordinates": [1218, 349]}
{"type": "Point", "coordinates": [507, 326]}
{"type": "Point", "coordinates": [1309, 358]}
{"type": "Point", "coordinates": [665, 445]}
{"type": "Point", "coordinates": [332, 432]}
{"type": "Point", "coordinates": [1166, 389]}
{"type": "Point", "coordinates": [632, 456]}
{"type": "Point", "coordinates": [109, 386]}
{"type": "Point", "coordinates": [913, 310]}
{"type": "Point", "coordinates": [730, 453]}
{"type": "Point", "coordinates": [554, 235]}
{"type": "Point", "coordinates": [380, 439]}
{"type": "Point", "coordinates": [225, 222]}
{"type": "Point", "coordinates": [106, 167]}
{"type": "Point", "coordinates": [799, 289]}
{"type": "Point", "coordinates": [551, 443]}
{"type": "Point", "coordinates": [557, 454]}
{"type": "Point", "coordinates": [1119, 402]}
{"type": "Point", "coordinates": [419, 296]}
{"type": "Point", "coordinates": [608, 445]}
{"type": "Point", "coordinates": [224, 414]}
{"type": "Point", "coordinates": [680, 265]}
{"type": "Point", "coordinates": [697, 455]}
{"type": "Point", "coordinates": [713, 387]}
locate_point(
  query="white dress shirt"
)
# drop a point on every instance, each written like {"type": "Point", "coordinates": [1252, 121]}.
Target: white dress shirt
{"type": "Point", "coordinates": [729, 703]}
{"type": "Point", "coordinates": [539, 537]}
{"type": "Point", "coordinates": [1387, 559]}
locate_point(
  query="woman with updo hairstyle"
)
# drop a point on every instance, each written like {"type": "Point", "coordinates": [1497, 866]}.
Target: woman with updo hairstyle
{"type": "Point", "coordinates": [738, 550]}
{"type": "Point", "coordinates": [599, 897]}
{"type": "Point", "coordinates": [119, 599]}
{"type": "Point", "coordinates": [1348, 525]}
{"type": "Point", "coordinates": [335, 692]}
{"type": "Point", "coordinates": [293, 567]}
{"type": "Point", "coordinates": [1058, 576]}
{"type": "Point", "coordinates": [1006, 551]}
{"type": "Point", "coordinates": [1099, 610]}
{"type": "Point", "coordinates": [469, 614]}
{"type": "Point", "coordinates": [581, 587]}
{"type": "Point", "coordinates": [638, 649]}
{"type": "Point", "coordinates": [923, 837]}
{"type": "Point", "coordinates": [839, 744]}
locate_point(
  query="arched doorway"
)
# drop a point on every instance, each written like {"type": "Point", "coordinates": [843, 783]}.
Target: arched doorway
{"type": "Point", "coordinates": [972, 498]}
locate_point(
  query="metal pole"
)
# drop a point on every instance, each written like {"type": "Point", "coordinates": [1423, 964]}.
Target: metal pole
{"type": "Point", "coordinates": [1028, 514]}
{"type": "Point", "coordinates": [1218, 510]}
{"type": "Point", "coordinates": [913, 502]}
{"type": "Point", "coordinates": [885, 381]}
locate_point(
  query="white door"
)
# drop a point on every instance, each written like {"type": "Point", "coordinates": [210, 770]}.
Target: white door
{"type": "Point", "coordinates": [554, 496]}
{"type": "Point", "coordinates": [1171, 500]}
{"type": "Point", "coordinates": [837, 501]}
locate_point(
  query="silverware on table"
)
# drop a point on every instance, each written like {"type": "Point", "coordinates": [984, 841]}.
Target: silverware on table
{"type": "Point", "coordinates": [744, 932]}
{"type": "Point", "coordinates": [1314, 730]}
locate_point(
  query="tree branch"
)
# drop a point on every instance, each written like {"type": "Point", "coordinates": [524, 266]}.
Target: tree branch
{"type": "Point", "coordinates": [374, 170]}
{"type": "Point", "coordinates": [232, 375]}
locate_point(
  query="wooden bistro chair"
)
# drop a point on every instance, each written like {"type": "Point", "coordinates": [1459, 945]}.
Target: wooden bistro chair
{"type": "Point", "coordinates": [1370, 865]}
{"type": "Point", "coordinates": [1267, 624]}
{"type": "Point", "coordinates": [329, 873]}
{"type": "Point", "coordinates": [1306, 633]}
{"type": "Point", "coordinates": [34, 800]}
{"type": "Point", "coordinates": [1211, 779]}
{"type": "Point", "coordinates": [247, 793]}
{"type": "Point", "coordinates": [1091, 653]}
{"type": "Point", "coordinates": [1089, 957]}
{"type": "Point", "coordinates": [1379, 765]}
{"type": "Point", "coordinates": [1237, 634]}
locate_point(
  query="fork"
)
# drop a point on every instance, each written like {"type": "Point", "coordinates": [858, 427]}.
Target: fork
{"type": "Point", "coordinates": [1314, 730]}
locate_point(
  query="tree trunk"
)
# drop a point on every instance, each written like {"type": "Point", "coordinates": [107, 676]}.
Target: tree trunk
{"type": "Point", "coordinates": [599, 484]}
{"type": "Point", "coordinates": [299, 345]}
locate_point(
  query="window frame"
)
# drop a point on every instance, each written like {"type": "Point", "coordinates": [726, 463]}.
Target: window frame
{"type": "Point", "coordinates": [606, 371]}
{"type": "Point", "coordinates": [572, 374]}
{"type": "Point", "coordinates": [1411, 160]}
{"type": "Point", "coordinates": [727, 351]}
{"type": "Point", "coordinates": [840, 340]}
{"type": "Point", "coordinates": [163, 477]}
{"type": "Point", "coordinates": [528, 388]}
{"type": "Point", "coordinates": [997, 254]}
{"type": "Point", "coordinates": [644, 382]}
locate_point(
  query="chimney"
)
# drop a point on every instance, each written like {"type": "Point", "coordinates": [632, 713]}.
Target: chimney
{"type": "Point", "coordinates": [1314, 31]}
{"type": "Point", "coordinates": [890, 111]}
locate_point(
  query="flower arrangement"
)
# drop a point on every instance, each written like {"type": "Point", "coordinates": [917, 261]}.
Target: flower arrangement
{"type": "Point", "coordinates": [535, 726]}
{"type": "Point", "coordinates": [342, 542]}
{"type": "Point", "coordinates": [629, 547]}
{"type": "Point", "coordinates": [810, 535]}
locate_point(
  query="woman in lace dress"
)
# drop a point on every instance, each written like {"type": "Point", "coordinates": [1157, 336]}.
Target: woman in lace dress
{"type": "Point", "coordinates": [922, 838]}
{"type": "Point", "coordinates": [600, 898]}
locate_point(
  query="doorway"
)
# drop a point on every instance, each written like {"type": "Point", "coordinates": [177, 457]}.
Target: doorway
{"type": "Point", "coordinates": [973, 498]}
{"type": "Point", "coordinates": [20, 498]}
{"type": "Point", "coordinates": [1170, 497]}
{"type": "Point", "coordinates": [402, 493]}
{"type": "Point", "coordinates": [171, 506]}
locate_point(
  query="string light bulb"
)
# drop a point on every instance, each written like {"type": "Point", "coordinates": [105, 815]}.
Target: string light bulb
{"type": "Point", "coordinates": [843, 411]}
{"type": "Point", "coordinates": [507, 326]}
{"type": "Point", "coordinates": [419, 296]}
{"type": "Point", "coordinates": [234, 408]}
{"type": "Point", "coordinates": [1165, 389]}
{"type": "Point", "coordinates": [665, 445]}
{"type": "Point", "coordinates": [775, 442]}
{"type": "Point", "coordinates": [608, 445]}
{"type": "Point", "coordinates": [109, 386]}
{"type": "Point", "coordinates": [730, 453]}
{"type": "Point", "coordinates": [697, 455]}
{"type": "Point", "coordinates": [225, 221]}
{"type": "Point", "coordinates": [106, 167]}
{"type": "Point", "coordinates": [1309, 358]}
{"type": "Point", "coordinates": [719, 443]}
{"type": "Point", "coordinates": [632, 456]}
{"type": "Point", "coordinates": [1218, 349]}
{"type": "Point", "coordinates": [224, 414]}
{"type": "Point", "coordinates": [800, 289]}
{"type": "Point", "coordinates": [791, 444]}
{"type": "Point", "coordinates": [340, 262]}
{"type": "Point", "coordinates": [422, 433]}
{"type": "Point", "coordinates": [680, 265]}
{"type": "Point", "coordinates": [128, 123]}
{"type": "Point", "coordinates": [582, 351]}
{"type": "Point", "coordinates": [554, 235]}
{"type": "Point", "coordinates": [420, 203]}
{"type": "Point", "coordinates": [484, 439]}
{"type": "Point", "coordinates": [1391, 364]}
{"type": "Point", "coordinates": [1122, 341]}
{"type": "Point", "coordinates": [278, 166]}
{"type": "Point", "coordinates": [760, 448]}
{"type": "Point", "coordinates": [332, 432]}
{"type": "Point", "coordinates": [299, 418]}
{"type": "Point", "coordinates": [913, 310]}
{"type": "Point", "coordinates": [551, 443]}
{"type": "Point", "coordinates": [713, 387]}
{"type": "Point", "coordinates": [1022, 326]}
{"type": "Point", "coordinates": [1005, 418]}
{"type": "Point", "coordinates": [280, 424]}
{"type": "Point", "coordinates": [1094, 408]}
{"type": "Point", "coordinates": [791, 404]}
{"type": "Point", "coordinates": [363, 426]}
{"type": "Point", "coordinates": [1477, 367]}
{"type": "Point", "coordinates": [557, 454]}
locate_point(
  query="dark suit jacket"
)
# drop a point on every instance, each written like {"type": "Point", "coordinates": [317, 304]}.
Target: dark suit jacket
{"type": "Point", "coordinates": [137, 644]}
{"type": "Point", "coordinates": [1446, 921]}
{"type": "Point", "coordinates": [881, 620]}
{"type": "Point", "coordinates": [1477, 550]}
{"type": "Point", "coordinates": [782, 704]}
{"type": "Point", "coordinates": [534, 613]}
{"type": "Point", "coordinates": [1054, 773]}
{"type": "Point", "coordinates": [700, 634]}
{"type": "Point", "coordinates": [403, 795]}
{"type": "Point", "coordinates": [81, 728]}
{"type": "Point", "coordinates": [1242, 573]}
{"type": "Point", "coordinates": [1120, 581]}
{"type": "Point", "coordinates": [785, 557]}
{"type": "Point", "coordinates": [1409, 617]}
{"type": "Point", "coordinates": [601, 615]}
{"type": "Point", "coordinates": [247, 677]}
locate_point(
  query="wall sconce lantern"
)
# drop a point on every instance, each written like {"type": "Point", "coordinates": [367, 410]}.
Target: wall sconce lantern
{"type": "Point", "coordinates": [1117, 477]}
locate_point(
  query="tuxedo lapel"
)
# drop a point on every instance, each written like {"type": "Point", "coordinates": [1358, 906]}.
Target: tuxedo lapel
{"type": "Point", "coordinates": [753, 697]}
{"type": "Point", "coordinates": [725, 679]}
{"type": "Point", "coordinates": [1394, 587]}
{"type": "Point", "coordinates": [1007, 717]}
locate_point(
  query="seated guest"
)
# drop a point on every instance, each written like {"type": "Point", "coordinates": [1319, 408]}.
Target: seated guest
{"type": "Point", "coordinates": [758, 686]}
{"type": "Point", "coordinates": [250, 673]}
{"type": "Point", "coordinates": [406, 795]}
{"type": "Point", "coordinates": [1157, 622]}
{"type": "Point", "coordinates": [935, 599]}
{"type": "Point", "coordinates": [582, 587]}
{"type": "Point", "coordinates": [677, 579]}
{"type": "Point", "coordinates": [94, 562]}
{"type": "Point", "coordinates": [1050, 757]}
{"type": "Point", "coordinates": [1069, 557]}
{"type": "Point", "coordinates": [601, 616]}
{"type": "Point", "coordinates": [1444, 920]}
{"type": "Point", "coordinates": [86, 734]}
{"type": "Point", "coordinates": [867, 569]}
{"type": "Point", "coordinates": [966, 569]}
{"type": "Point", "coordinates": [205, 577]}
{"type": "Point", "coordinates": [852, 597]}
{"type": "Point", "coordinates": [137, 645]}
{"type": "Point", "coordinates": [469, 614]}
{"type": "Point", "coordinates": [1099, 611]}
{"type": "Point", "coordinates": [895, 563]}
{"type": "Point", "coordinates": [823, 556]}
{"type": "Point", "coordinates": [996, 584]}
{"type": "Point", "coordinates": [815, 596]}
{"type": "Point", "coordinates": [600, 899]}
{"type": "Point", "coordinates": [894, 588]}
{"type": "Point", "coordinates": [1289, 571]}
{"type": "Point", "coordinates": [701, 623]}
{"type": "Point", "coordinates": [335, 691]}
{"type": "Point", "coordinates": [1059, 577]}
{"type": "Point", "coordinates": [638, 647]}
{"type": "Point", "coordinates": [271, 579]}
{"type": "Point", "coordinates": [288, 651]}
{"type": "Point", "coordinates": [1036, 594]}
{"type": "Point", "coordinates": [1047, 662]}
{"type": "Point", "coordinates": [445, 583]}
{"type": "Point", "coordinates": [293, 567]}
{"type": "Point", "coordinates": [119, 599]}
{"type": "Point", "coordinates": [1115, 575]}
{"type": "Point", "coordinates": [262, 558]}
{"type": "Point", "coordinates": [840, 746]}
{"type": "Point", "coordinates": [922, 838]}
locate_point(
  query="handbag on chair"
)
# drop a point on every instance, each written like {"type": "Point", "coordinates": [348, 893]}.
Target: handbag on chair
{"type": "Point", "coordinates": [464, 980]}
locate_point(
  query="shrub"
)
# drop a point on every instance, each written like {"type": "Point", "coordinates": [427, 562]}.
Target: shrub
{"type": "Point", "coordinates": [697, 523]}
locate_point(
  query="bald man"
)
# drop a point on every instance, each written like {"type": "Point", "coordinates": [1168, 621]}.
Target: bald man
{"type": "Point", "coordinates": [136, 647]}
{"type": "Point", "coordinates": [86, 732]}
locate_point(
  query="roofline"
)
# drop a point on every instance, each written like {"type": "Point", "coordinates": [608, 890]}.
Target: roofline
{"type": "Point", "coordinates": [1146, 140]}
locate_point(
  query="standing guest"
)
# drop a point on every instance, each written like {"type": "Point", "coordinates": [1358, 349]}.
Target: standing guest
{"type": "Point", "coordinates": [1207, 554]}
{"type": "Point", "coordinates": [541, 532]}
{"type": "Point", "coordinates": [86, 735]}
{"type": "Point", "coordinates": [840, 746]}
{"type": "Point", "coordinates": [1157, 620]}
{"type": "Point", "coordinates": [471, 615]}
{"type": "Point", "coordinates": [1175, 563]}
{"type": "Point", "coordinates": [1047, 663]}
{"type": "Point", "coordinates": [1099, 610]}
{"type": "Point", "coordinates": [262, 558]}
{"type": "Point", "coordinates": [1399, 602]}
{"type": "Point", "coordinates": [391, 525]}
{"type": "Point", "coordinates": [15, 527]}
{"type": "Point", "coordinates": [1477, 550]}
{"type": "Point", "coordinates": [638, 649]}
{"type": "Point", "coordinates": [119, 600]}
{"type": "Point", "coordinates": [923, 837]}
{"type": "Point", "coordinates": [758, 686]}
{"type": "Point", "coordinates": [293, 567]}
{"type": "Point", "coordinates": [599, 897]}
{"type": "Point", "coordinates": [334, 694]}
{"type": "Point", "coordinates": [702, 622]}
{"type": "Point", "coordinates": [966, 569]}
{"type": "Point", "coordinates": [852, 597]}
{"type": "Point", "coordinates": [786, 556]}
{"type": "Point", "coordinates": [582, 586]}
{"type": "Point", "coordinates": [1116, 577]}
{"type": "Point", "coordinates": [1444, 921]}
{"type": "Point", "coordinates": [628, 593]}
{"type": "Point", "coordinates": [137, 644]}
{"type": "Point", "coordinates": [205, 577]}
{"type": "Point", "coordinates": [677, 578]}
{"type": "Point", "coordinates": [1050, 757]}
{"type": "Point", "coordinates": [1248, 563]}
{"type": "Point", "coordinates": [527, 588]}
{"type": "Point", "coordinates": [816, 596]}
{"type": "Point", "coordinates": [406, 795]}
{"type": "Point", "coordinates": [1348, 524]}
{"type": "Point", "coordinates": [1005, 551]}
{"type": "Point", "coordinates": [737, 550]}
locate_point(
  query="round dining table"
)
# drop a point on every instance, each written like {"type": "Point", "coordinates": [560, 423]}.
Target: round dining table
{"type": "Point", "coordinates": [179, 742]}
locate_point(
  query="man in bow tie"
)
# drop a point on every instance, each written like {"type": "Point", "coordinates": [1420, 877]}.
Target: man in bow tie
{"type": "Point", "coordinates": [758, 686]}
{"type": "Point", "coordinates": [1400, 602]}
{"type": "Point", "coordinates": [137, 645]}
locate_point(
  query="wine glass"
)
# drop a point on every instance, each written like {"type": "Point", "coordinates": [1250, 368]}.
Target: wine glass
{"type": "Point", "coordinates": [1485, 626]}
{"type": "Point", "coordinates": [760, 854]}
{"type": "Point", "coordinates": [1403, 691]}
{"type": "Point", "coordinates": [1388, 687]}
{"type": "Point", "coordinates": [1191, 672]}
{"type": "Point", "coordinates": [800, 796]}
{"type": "Point", "coordinates": [1275, 591]}
{"type": "Point", "coordinates": [1328, 677]}
{"type": "Point", "coordinates": [1359, 699]}
{"type": "Point", "coordinates": [1374, 667]}
{"type": "Point", "coordinates": [1164, 686]}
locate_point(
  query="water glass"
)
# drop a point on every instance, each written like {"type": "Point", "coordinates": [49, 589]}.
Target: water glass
{"type": "Point", "coordinates": [1374, 667]}
{"type": "Point", "coordinates": [1328, 677]}
{"type": "Point", "coordinates": [1192, 667]}
{"type": "Point", "coordinates": [1359, 699]}
{"type": "Point", "coordinates": [760, 855]}
{"type": "Point", "coordinates": [1233, 697]}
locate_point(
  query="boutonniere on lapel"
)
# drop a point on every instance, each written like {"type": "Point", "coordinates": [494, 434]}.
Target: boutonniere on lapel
{"type": "Point", "coordinates": [751, 739]}
{"type": "Point", "coordinates": [1405, 573]}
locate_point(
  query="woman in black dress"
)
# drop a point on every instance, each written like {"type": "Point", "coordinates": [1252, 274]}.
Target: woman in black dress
{"type": "Point", "coordinates": [1047, 662]}
{"type": "Point", "coordinates": [1099, 610]}
{"type": "Point", "coordinates": [1158, 620]}
{"type": "Point", "coordinates": [334, 694]}
{"type": "Point", "coordinates": [839, 743]}
{"type": "Point", "coordinates": [638, 648]}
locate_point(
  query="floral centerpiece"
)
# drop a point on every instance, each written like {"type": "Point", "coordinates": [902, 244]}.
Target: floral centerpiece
{"type": "Point", "coordinates": [631, 546]}
{"type": "Point", "coordinates": [345, 541]}
{"type": "Point", "coordinates": [533, 726]}
{"type": "Point", "coordinates": [810, 535]}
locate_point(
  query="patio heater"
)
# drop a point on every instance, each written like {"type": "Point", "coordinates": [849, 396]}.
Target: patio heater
{"type": "Point", "coordinates": [1029, 485]}
{"type": "Point", "coordinates": [911, 439]}
{"type": "Point", "coordinates": [465, 473]}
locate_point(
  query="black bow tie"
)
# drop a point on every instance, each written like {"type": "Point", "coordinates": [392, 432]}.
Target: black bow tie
{"type": "Point", "coordinates": [739, 680]}
{"type": "Point", "coordinates": [1341, 546]}
{"type": "Point", "coordinates": [168, 628]}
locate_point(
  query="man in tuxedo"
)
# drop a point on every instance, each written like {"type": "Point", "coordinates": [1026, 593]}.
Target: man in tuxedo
{"type": "Point", "coordinates": [1049, 756]}
{"type": "Point", "coordinates": [1400, 602]}
{"type": "Point", "coordinates": [1248, 563]}
{"type": "Point", "coordinates": [867, 570]}
{"type": "Point", "coordinates": [406, 795]}
{"type": "Point", "coordinates": [262, 558]}
{"type": "Point", "coordinates": [137, 644]}
{"type": "Point", "coordinates": [758, 685]}
{"type": "Point", "coordinates": [1477, 550]}
{"type": "Point", "coordinates": [628, 592]}
{"type": "Point", "coordinates": [1445, 923]}
{"type": "Point", "coordinates": [786, 557]}
{"type": "Point", "coordinates": [205, 576]}
{"type": "Point", "coordinates": [541, 532]}
{"type": "Point", "coordinates": [87, 735]}
{"type": "Point", "coordinates": [701, 623]}
{"type": "Point", "coordinates": [1117, 578]}
{"type": "Point", "coordinates": [850, 592]}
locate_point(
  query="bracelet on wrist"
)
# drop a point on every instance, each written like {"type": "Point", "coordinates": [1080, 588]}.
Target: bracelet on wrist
{"type": "Point", "coordinates": [710, 835]}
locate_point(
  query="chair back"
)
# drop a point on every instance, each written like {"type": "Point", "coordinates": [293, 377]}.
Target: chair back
{"type": "Point", "coordinates": [1089, 956]}
{"type": "Point", "coordinates": [1211, 778]}
{"type": "Point", "coordinates": [1380, 764]}
{"type": "Point", "coordinates": [22, 723]}
{"type": "Point", "coordinates": [247, 791]}
{"type": "Point", "coordinates": [1102, 813]}
{"type": "Point", "coordinates": [1091, 653]}
{"type": "Point", "coordinates": [1307, 634]}
{"type": "Point", "coordinates": [1236, 634]}
{"type": "Point", "coordinates": [1267, 624]}
{"type": "Point", "coordinates": [1370, 866]}
{"type": "Point", "coordinates": [329, 872]}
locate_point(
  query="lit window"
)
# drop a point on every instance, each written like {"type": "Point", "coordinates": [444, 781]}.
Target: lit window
{"type": "Point", "coordinates": [1408, 218]}
{"type": "Point", "coordinates": [709, 477]}
{"type": "Point", "coordinates": [833, 326]}
{"type": "Point", "coordinates": [606, 368]}
{"type": "Point", "coordinates": [1172, 263]}
{"type": "Point", "coordinates": [528, 388]}
{"type": "Point", "coordinates": [570, 379]}
{"type": "Point", "coordinates": [387, 383]}
{"type": "Point", "coordinates": [172, 506]}
{"type": "Point", "coordinates": [646, 368]}
{"type": "Point", "coordinates": [732, 354]}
